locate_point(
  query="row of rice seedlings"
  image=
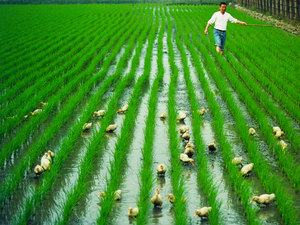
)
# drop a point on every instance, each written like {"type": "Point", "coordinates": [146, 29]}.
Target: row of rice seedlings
{"type": "Point", "coordinates": [27, 130]}
{"type": "Point", "coordinates": [53, 86]}
{"type": "Point", "coordinates": [278, 78]}
{"type": "Point", "coordinates": [176, 179]}
{"type": "Point", "coordinates": [241, 186]}
{"type": "Point", "coordinates": [42, 74]}
{"type": "Point", "coordinates": [16, 175]}
{"type": "Point", "coordinates": [74, 133]}
{"type": "Point", "coordinates": [55, 55]}
{"type": "Point", "coordinates": [146, 172]}
{"type": "Point", "coordinates": [52, 24]}
{"type": "Point", "coordinates": [271, 182]}
{"type": "Point", "coordinates": [286, 160]}
{"type": "Point", "coordinates": [17, 63]}
{"type": "Point", "coordinates": [118, 164]}
{"type": "Point", "coordinates": [14, 42]}
{"type": "Point", "coordinates": [290, 106]}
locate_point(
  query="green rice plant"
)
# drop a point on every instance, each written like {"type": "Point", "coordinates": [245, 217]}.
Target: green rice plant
{"type": "Point", "coordinates": [11, 182]}
{"type": "Point", "coordinates": [27, 130]}
{"type": "Point", "coordinates": [240, 186]}
{"type": "Point", "coordinates": [73, 134]}
{"type": "Point", "coordinates": [146, 175]}
{"type": "Point", "coordinates": [271, 182]}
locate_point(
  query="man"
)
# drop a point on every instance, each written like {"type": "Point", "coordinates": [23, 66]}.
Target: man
{"type": "Point", "coordinates": [220, 19]}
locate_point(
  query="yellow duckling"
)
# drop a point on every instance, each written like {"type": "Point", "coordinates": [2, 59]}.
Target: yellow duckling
{"type": "Point", "coordinates": [111, 127]}
{"type": "Point", "coordinates": [118, 195]}
{"type": "Point", "coordinates": [185, 158]}
{"type": "Point", "coordinates": [189, 145]}
{"type": "Point", "coordinates": [279, 134]}
{"type": "Point", "coordinates": [172, 198]}
{"type": "Point", "coordinates": [201, 112]}
{"type": "Point", "coordinates": [251, 131]}
{"type": "Point", "coordinates": [133, 212]}
{"type": "Point", "coordinates": [51, 153]}
{"type": "Point", "coordinates": [183, 129]}
{"type": "Point", "coordinates": [161, 169]}
{"type": "Point", "coordinates": [283, 145]}
{"type": "Point", "coordinates": [212, 146]}
{"type": "Point", "coordinates": [100, 113]}
{"type": "Point", "coordinates": [38, 170]}
{"type": "Point", "coordinates": [263, 199]}
{"type": "Point", "coordinates": [163, 115]}
{"type": "Point", "coordinates": [157, 199]}
{"type": "Point", "coordinates": [247, 169]}
{"type": "Point", "coordinates": [45, 162]}
{"type": "Point", "coordinates": [181, 116]}
{"type": "Point", "coordinates": [42, 104]}
{"type": "Point", "coordinates": [35, 112]}
{"type": "Point", "coordinates": [124, 109]}
{"type": "Point", "coordinates": [203, 212]}
{"type": "Point", "coordinates": [189, 151]}
{"type": "Point", "coordinates": [186, 136]}
{"type": "Point", "coordinates": [237, 160]}
{"type": "Point", "coordinates": [87, 126]}
{"type": "Point", "coordinates": [275, 129]}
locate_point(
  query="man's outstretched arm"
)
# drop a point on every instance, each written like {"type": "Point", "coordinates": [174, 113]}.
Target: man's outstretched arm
{"type": "Point", "coordinates": [241, 23]}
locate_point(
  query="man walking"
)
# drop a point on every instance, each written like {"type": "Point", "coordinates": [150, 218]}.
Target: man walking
{"type": "Point", "coordinates": [220, 19]}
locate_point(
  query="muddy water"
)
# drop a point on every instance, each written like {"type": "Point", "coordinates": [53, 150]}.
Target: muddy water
{"type": "Point", "coordinates": [87, 209]}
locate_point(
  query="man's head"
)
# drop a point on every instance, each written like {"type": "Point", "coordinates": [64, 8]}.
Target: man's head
{"type": "Point", "coordinates": [222, 7]}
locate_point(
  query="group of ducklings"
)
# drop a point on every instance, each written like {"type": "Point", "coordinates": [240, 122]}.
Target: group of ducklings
{"type": "Point", "coordinates": [102, 113]}
{"type": "Point", "coordinates": [33, 113]}
{"type": "Point", "coordinates": [277, 134]}
{"type": "Point", "coordinates": [45, 163]}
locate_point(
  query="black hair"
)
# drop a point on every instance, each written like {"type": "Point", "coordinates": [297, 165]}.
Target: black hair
{"type": "Point", "coordinates": [222, 3]}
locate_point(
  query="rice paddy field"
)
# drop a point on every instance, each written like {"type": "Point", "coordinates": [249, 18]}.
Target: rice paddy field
{"type": "Point", "coordinates": [155, 58]}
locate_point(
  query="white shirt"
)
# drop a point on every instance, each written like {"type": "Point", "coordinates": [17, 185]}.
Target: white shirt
{"type": "Point", "coordinates": [221, 20]}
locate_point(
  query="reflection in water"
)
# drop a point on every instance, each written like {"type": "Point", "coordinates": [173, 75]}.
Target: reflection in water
{"type": "Point", "coordinates": [122, 114]}
{"type": "Point", "coordinates": [161, 181]}
{"type": "Point", "coordinates": [131, 220]}
{"type": "Point", "coordinates": [157, 214]}
{"type": "Point", "coordinates": [265, 213]}
{"type": "Point", "coordinates": [86, 134]}
{"type": "Point", "coordinates": [163, 120]}
{"type": "Point", "coordinates": [111, 135]}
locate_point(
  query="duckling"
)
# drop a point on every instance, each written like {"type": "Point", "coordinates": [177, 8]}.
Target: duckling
{"type": "Point", "coordinates": [51, 153]}
{"type": "Point", "coordinates": [42, 104]}
{"type": "Point", "coordinates": [279, 134]}
{"type": "Point", "coordinates": [189, 151]}
{"type": "Point", "coordinates": [283, 144]}
{"type": "Point", "coordinates": [87, 126]}
{"type": "Point", "coordinates": [185, 158]}
{"type": "Point", "coordinates": [203, 212]}
{"type": "Point", "coordinates": [263, 199]}
{"type": "Point", "coordinates": [201, 112]}
{"type": "Point", "coordinates": [172, 198]}
{"type": "Point", "coordinates": [247, 169]}
{"type": "Point", "coordinates": [46, 156]}
{"type": "Point", "coordinates": [124, 109]}
{"type": "Point", "coordinates": [133, 212]}
{"type": "Point", "coordinates": [45, 163]}
{"type": "Point", "coordinates": [11, 117]}
{"type": "Point", "coordinates": [212, 146]}
{"type": "Point", "coordinates": [161, 169]}
{"type": "Point", "coordinates": [163, 116]}
{"type": "Point", "coordinates": [251, 131]}
{"type": "Point", "coordinates": [100, 113]}
{"type": "Point", "coordinates": [111, 127]}
{"type": "Point", "coordinates": [186, 136]}
{"type": "Point", "coordinates": [275, 129]}
{"type": "Point", "coordinates": [117, 196]}
{"type": "Point", "coordinates": [183, 129]}
{"type": "Point", "coordinates": [157, 199]}
{"type": "Point", "coordinates": [38, 170]}
{"type": "Point", "coordinates": [189, 145]}
{"type": "Point", "coordinates": [237, 160]}
{"type": "Point", "coordinates": [35, 112]}
{"type": "Point", "coordinates": [181, 116]}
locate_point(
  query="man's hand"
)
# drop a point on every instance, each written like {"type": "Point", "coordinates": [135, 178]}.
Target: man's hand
{"type": "Point", "coordinates": [244, 24]}
{"type": "Point", "coordinates": [205, 32]}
